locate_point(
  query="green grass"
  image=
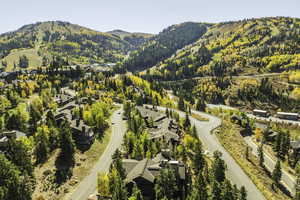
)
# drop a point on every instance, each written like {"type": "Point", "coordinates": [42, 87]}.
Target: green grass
{"type": "Point", "coordinates": [34, 59]}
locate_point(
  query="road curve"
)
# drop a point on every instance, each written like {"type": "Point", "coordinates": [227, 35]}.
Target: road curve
{"type": "Point", "coordinates": [211, 143]}
{"type": "Point", "coordinates": [286, 179]}
{"type": "Point", "coordinates": [89, 184]}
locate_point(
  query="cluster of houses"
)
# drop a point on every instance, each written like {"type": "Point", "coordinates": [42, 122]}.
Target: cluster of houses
{"type": "Point", "coordinates": [280, 115]}
{"type": "Point", "coordinates": [295, 145]}
{"type": "Point", "coordinates": [271, 134]}
{"type": "Point", "coordinates": [81, 132]}
{"type": "Point", "coordinates": [97, 67]}
{"type": "Point", "coordinates": [66, 100]}
{"type": "Point", "coordinates": [271, 137]}
{"type": "Point", "coordinates": [144, 172]}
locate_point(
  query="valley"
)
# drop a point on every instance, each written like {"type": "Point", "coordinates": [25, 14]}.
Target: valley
{"type": "Point", "coordinates": [199, 111]}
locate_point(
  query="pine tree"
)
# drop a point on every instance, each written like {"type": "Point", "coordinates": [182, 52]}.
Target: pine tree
{"type": "Point", "coordinates": [166, 184]}
{"type": "Point", "coordinates": [167, 112]}
{"type": "Point", "coordinates": [119, 189]}
{"type": "Point", "coordinates": [23, 61]}
{"type": "Point", "coordinates": [277, 173]}
{"type": "Point", "coordinates": [227, 191]}
{"type": "Point", "coordinates": [198, 160]}
{"type": "Point", "coordinates": [187, 122]}
{"type": "Point", "coordinates": [243, 193]}
{"type": "Point", "coordinates": [136, 193]}
{"type": "Point", "coordinates": [18, 153]}
{"type": "Point", "coordinates": [261, 155]}
{"type": "Point", "coordinates": [42, 145]}
{"type": "Point", "coordinates": [119, 167]}
{"type": "Point", "coordinates": [14, 184]}
{"type": "Point", "coordinates": [200, 105]}
{"type": "Point", "coordinates": [181, 105]}
{"type": "Point", "coordinates": [247, 153]}
{"type": "Point", "coordinates": [285, 145]}
{"type": "Point", "coordinates": [218, 167]}
{"type": "Point", "coordinates": [67, 144]}
{"type": "Point", "coordinates": [277, 146]}
{"type": "Point", "coordinates": [201, 187]}
{"type": "Point", "coordinates": [235, 192]}
{"type": "Point", "coordinates": [216, 191]}
{"type": "Point", "coordinates": [194, 132]}
{"type": "Point", "coordinates": [297, 184]}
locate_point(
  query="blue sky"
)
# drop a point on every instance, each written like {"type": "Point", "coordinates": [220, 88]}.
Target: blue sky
{"type": "Point", "coordinates": [138, 15]}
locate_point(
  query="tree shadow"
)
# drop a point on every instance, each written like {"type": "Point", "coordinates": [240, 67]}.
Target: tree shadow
{"type": "Point", "coordinates": [280, 186]}
{"type": "Point", "coordinates": [246, 132]}
{"type": "Point", "coordinates": [64, 168]}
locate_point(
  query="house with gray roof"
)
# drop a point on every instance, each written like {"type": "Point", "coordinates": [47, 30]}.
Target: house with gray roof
{"type": "Point", "coordinates": [144, 173]}
{"type": "Point", "coordinates": [160, 127]}
{"type": "Point", "coordinates": [149, 114]}
{"type": "Point", "coordinates": [295, 145]}
{"type": "Point", "coordinates": [9, 135]}
{"type": "Point", "coordinates": [83, 134]}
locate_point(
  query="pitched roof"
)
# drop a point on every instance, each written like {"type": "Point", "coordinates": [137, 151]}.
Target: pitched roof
{"type": "Point", "coordinates": [149, 169]}
{"type": "Point", "coordinates": [295, 144]}
{"type": "Point", "coordinates": [147, 113]}
{"type": "Point", "coordinates": [140, 170]}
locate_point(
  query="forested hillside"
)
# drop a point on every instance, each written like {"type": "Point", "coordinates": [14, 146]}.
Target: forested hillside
{"type": "Point", "coordinates": [40, 41]}
{"type": "Point", "coordinates": [164, 45]}
{"type": "Point", "coordinates": [135, 39]}
{"type": "Point", "coordinates": [233, 48]}
{"type": "Point", "coordinates": [210, 68]}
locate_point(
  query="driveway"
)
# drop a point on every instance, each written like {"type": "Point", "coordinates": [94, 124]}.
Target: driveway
{"type": "Point", "coordinates": [88, 185]}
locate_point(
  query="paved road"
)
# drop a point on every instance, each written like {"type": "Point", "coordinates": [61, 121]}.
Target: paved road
{"type": "Point", "coordinates": [211, 143]}
{"type": "Point", "coordinates": [286, 179]}
{"type": "Point", "coordinates": [242, 77]}
{"type": "Point", "coordinates": [89, 184]}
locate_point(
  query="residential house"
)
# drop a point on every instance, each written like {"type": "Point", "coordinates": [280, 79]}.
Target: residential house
{"type": "Point", "coordinates": [8, 135]}
{"type": "Point", "coordinates": [295, 145]}
{"type": "Point", "coordinates": [160, 127]}
{"type": "Point", "coordinates": [63, 99]}
{"type": "Point", "coordinates": [260, 113]}
{"type": "Point", "coordinates": [151, 116]}
{"type": "Point", "coordinates": [83, 134]}
{"type": "Point", "coordinates": [144, 173]}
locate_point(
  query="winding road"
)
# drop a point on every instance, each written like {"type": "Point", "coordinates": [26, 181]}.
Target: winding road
{"type": "Point", "coordinates": [88, 185]}
{"type": "Point", "coordinates": [287, 180]}
{"type": "Point", "coordinates": [234, 172]}
{"type": "Point", "coordinates": [211, 143]}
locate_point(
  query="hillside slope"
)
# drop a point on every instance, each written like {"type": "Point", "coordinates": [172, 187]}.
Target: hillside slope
{"type": "Point", "coordinates": [221, 67]}
{"type": "Point", "coordinates": [243, 47]}
{"type": "Point", "coordinates": [134, 39]}
{"type": "Point", "coordinates": [164, 44]}
{"type": "Point", "coordinates": [40, 41]}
